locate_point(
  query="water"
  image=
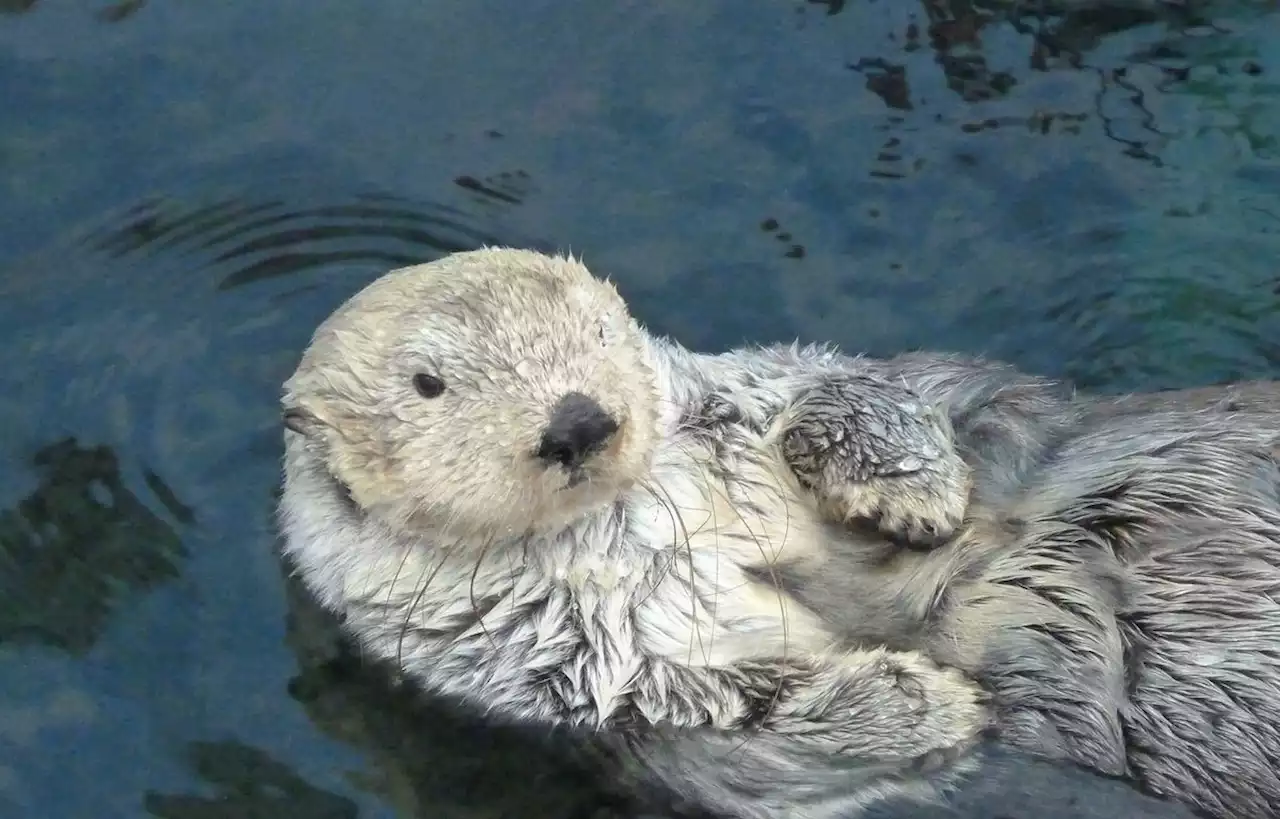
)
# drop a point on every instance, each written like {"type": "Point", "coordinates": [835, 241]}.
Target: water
{"type": "Point", "coordinates": [186, 189]}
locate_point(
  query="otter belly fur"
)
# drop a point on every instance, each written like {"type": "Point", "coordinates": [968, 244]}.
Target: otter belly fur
{"type": "Point", "coordinates": [1116, 586]}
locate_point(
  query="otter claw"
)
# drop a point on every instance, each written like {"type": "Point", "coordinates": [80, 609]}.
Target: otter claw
{"type": "Point", "coordinates": [874, 454]}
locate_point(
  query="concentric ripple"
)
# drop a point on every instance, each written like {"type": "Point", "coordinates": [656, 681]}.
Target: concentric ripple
{"type": "Point", "coordinates": [248, 241]}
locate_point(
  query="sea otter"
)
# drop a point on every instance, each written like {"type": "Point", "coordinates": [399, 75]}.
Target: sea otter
{"type": "Point", "coordinates": [525, 502]}
{"type": "Point", "coordinates": [598, 528]}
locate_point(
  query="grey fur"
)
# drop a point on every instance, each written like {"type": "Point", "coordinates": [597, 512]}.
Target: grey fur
{"type": "Point", "coordinates": [638, 598]}
{"type": "Point", "coordinates": [1116, 586]}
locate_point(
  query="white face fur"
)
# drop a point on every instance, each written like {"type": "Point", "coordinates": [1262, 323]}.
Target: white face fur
{"type": "Point", "coordinates": [480, 396]}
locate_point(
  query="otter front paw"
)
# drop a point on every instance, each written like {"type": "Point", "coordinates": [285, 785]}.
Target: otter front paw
{"type": "Point", "coordinates": [879, 704]}
{"type": "Point", "coordinates": [874, 452]}
{"type": "Point", "coordinates": [816, 735]}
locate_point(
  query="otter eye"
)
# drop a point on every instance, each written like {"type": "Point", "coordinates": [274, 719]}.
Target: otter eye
{"type": "Point", "coordinates": [428, 386]}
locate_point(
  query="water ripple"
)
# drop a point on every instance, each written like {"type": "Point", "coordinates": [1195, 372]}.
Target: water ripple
{"type": "Point", "coordinates": [251, 241]}
{"type": "Point", "coordinates": [1138, 303]}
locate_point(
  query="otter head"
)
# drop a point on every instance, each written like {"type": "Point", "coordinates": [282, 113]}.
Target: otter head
{"type": "Point", "coordinates": [487, 394]}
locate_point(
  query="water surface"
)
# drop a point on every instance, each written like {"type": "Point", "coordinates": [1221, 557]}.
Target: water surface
{"type": "Point", "coordinates": [1089, 190]}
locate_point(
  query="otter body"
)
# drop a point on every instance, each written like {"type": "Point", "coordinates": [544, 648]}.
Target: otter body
{"type": "Point", "coordinates": [1116, 586]}
{"type": "Point", "coordinates": [511, 492]}
{"type": "Point", "coordinates": [517, 497]}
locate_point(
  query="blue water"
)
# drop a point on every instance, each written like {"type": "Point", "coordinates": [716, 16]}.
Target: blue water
{"type": "Point", "coordinates": [1089, 190]}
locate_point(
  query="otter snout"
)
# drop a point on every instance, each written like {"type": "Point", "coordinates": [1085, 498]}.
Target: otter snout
{"type": "Point", "coordinates": [579, 427]}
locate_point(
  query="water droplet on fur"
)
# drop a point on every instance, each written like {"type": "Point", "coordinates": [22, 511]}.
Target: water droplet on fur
{"type": "Point", "coordinates": [910, 464]}
{"type": "Point", "coordinates": [524, 367]}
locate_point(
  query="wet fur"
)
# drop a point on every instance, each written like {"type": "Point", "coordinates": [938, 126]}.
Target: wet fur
{"type": "Point", "coordinates": [704, 607]}
{"type": "Point", "coordinates": [1117, 584]}
{"type": "Point", "coordinates": [639, 598]}
{"type": "Point", "coordinates": [448, 761]}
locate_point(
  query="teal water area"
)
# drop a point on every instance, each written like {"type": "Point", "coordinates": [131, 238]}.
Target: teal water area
{"type": "Point", "coordinates": [1087, 189]}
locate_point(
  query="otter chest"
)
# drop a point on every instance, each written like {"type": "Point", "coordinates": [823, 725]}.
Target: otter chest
{"type": "Point", "coordinates": [717, 516]}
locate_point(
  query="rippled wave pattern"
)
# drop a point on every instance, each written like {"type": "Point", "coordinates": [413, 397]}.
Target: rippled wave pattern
{"type": "Point", "coordinates": [254, 241]}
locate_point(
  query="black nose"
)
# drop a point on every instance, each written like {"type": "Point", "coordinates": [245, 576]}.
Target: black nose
{"type": "Point", "coordinates": [578, 428]}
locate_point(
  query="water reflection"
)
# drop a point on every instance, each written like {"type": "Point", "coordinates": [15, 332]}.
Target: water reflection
{"type": "Point", "coordinates": [109, 13]}
{"type": "Point", "coordinates": [81, 545]}
{"type": "Point", "coordinates": [1074, 36]}
{"type": "Point", "coordinates": [247, 783]}
{"type": "Point", "coordinates": [123, 10]}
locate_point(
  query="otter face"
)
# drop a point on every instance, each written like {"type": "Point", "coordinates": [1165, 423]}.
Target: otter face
{"type": "Point", "coordinates": [487, 394]}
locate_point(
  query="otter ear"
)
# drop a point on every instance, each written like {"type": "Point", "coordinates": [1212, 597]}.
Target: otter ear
{"type": "Point", "coordinates": [299, 420]}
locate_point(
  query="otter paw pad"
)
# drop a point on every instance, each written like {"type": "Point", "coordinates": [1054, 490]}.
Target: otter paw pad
{"type": "Point", "coordinates": [875, 454]}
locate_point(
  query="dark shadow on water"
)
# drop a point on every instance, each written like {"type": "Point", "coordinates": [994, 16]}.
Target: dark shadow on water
{"type": "Point", "coordinates": [106, 12]}
{"type": "Point", "coordinates": [1062, 36]}
{"type": "Point", "coordinates": [247, 783]}
{"type": "Point", "coordinates": [81, 545]}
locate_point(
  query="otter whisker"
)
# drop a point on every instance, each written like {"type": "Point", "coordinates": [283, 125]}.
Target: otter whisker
{"type": "Point", "coordinates": [783, 616]}
{"type": "Point", "coordinates": [715, 528]}
{"type": "Point", "coordinates": [666, 570]}
{"type": "Point", "coordinates": [682, 538]}
{"type": "Point", "coordinates": [471, 591]}
{"type": "Point", "coordinates": [395, 577]}
{"type": "Point", "coordinates": [770, 559]}
{"type": "Point", "coordinates": [516, 574]}
{"type": "Point", "coordinates": [415, 601]}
